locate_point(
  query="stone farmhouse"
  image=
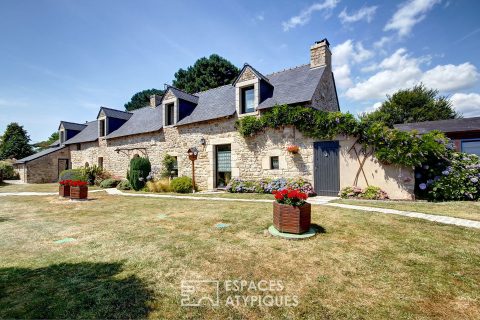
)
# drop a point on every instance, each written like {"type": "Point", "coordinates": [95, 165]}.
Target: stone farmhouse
{"type": "Point", "coordinates": [178, 121]}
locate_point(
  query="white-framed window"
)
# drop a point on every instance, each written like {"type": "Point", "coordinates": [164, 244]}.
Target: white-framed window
{"type": "Point", "coordinates": [170, 114]}
{"type": "Point", "coordinates": [471, 146]}
{"type": "Point", "coordinates": [274, 163]}
{"type": "Point", "coordinates": [247, 99]}
{"type": "Point", "coordinates": [102, 129]}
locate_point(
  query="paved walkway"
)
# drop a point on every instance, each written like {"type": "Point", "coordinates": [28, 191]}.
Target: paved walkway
{"type": "Point", "coordinates": [314, 201]}
{"type": "Point", "coordinates": [411, 214]}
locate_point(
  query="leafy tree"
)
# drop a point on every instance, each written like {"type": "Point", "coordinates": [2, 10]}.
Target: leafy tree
{"type": "Point", "coordinates": [141, 99]}
{"type": "Point", "coordinates": [412, 105]}
{"type": "Point", "coordinates": [206, 73]}
{"type": "Point", "coordinates": [42, 145]}
{"type": "Point", "coordinates": [15, 143]}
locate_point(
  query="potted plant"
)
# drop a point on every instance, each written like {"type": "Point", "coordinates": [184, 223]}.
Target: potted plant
{"type": "Point", "coordinates": [64, 188]}
{"type": "Point", "coordinates": [78, 190]}
{"type": "Point", "coordinates": [291, 212]}
{"type": "Point", "coordinates": [293, 149]}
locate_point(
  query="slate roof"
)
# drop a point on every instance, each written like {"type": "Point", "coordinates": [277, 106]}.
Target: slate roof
{"type": "Point", "coordinates": [143, 120]}
{"type": "Point", "coordinates": [294, 85]}
{"type": "Point", "coordinates": [72, 126]}
{"type": "Point", "coordinates": [114, 113]}
{"type": "Point", "coordinates": [183, 95]}
{"type": "Point", "coordinates": [290, 86]}
{"type": "Point", "coordinates": [447, 126]}
{"type": "Point", "coordinates": [212, 104]}
{"type": "Point", "coordinates": [39, 154]}
{"type": "Point", "coordinates": [90, 133]}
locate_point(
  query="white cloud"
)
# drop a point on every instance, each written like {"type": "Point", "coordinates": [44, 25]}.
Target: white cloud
{"type": "Point", "coordinates": [400, 71]}
{"type": "Point", "coordinates": [467, 104]}
{"type": "Point", "coordinates": [343, 56]}
{"type": "Point", "coordinates": [450, 77]}
{"type": "Point", "coordinates": [382, 42]}
{"type": "Point", "coordinates": [365, 13]}
{"type": "Point", "coordinates": [397, 71]}
{"type": "Point", "coordinates": [409, 14]}
{"type": "Point", "coordinates": [306, 14]}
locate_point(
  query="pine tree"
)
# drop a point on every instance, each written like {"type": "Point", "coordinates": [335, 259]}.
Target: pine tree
{"type": "Point", "coordinates": [15, 143]}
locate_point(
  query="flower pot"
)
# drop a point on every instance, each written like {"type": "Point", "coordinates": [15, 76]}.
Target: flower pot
{"type": "Point", "coordinates": [78, 193]}
{"type": "Point", "coordinates": [290, 219]}
{"type": "Point", "coordinates": [64, 191]}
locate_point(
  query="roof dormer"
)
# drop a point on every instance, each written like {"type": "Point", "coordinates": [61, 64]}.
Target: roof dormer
{"type": "Point", "coordinates": [110, 120]}
{"type": "Point", "coordinates": [251, 88]}
{"type": "Point", "coordinates": [177, 104]}
{"type": "Point", "coordinates": [67, 130]}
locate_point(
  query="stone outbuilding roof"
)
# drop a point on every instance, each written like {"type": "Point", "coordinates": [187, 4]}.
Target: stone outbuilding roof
{"type": "Point", "coordinates": [114, 113]}
{"type": "Point", "coordinates": [39, 154]}
{"type": "Point", "coordinates": [447, 126]}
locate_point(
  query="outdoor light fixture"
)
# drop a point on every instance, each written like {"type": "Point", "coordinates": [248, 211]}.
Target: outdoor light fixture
{"type": "Point", "coordinates": [192, 155]}
{"type": "Point", "coordinates": [203, 141]}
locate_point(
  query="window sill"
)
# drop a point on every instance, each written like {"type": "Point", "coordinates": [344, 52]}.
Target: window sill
{"type": "Point", "coordinates": [253, 113]}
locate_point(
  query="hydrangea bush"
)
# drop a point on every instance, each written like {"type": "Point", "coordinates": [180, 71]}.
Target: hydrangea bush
{"type": "Point", "coordinates": [369, 193]}
{"type": "Point", "coordinates": [454, 178]}
{"type": "Point", "coordinates": [237, 185]}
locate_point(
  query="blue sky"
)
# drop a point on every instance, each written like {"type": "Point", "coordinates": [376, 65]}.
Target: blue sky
{"type": "Point", "coordinates": [62, 60]}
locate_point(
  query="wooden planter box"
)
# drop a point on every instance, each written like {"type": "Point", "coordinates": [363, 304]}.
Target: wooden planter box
{"type": "Point", "coordinates": [64, 191]}
{"type": "Point", "coordinates": [291, 219]}
{"type": "Point", "coordinates": [78, 193]}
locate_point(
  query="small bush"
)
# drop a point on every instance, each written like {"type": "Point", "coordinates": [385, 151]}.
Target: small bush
{"type": "Point", "coordinates": [139, 170]}
{"type": "Point", "coordinates": [159, 186]}
{"type": "Point", "coordinates": [182, 184]}
{"type": "Point", "coordinates": [369, 193]}
{"type": "Point", "coordinates": [124, 185]}
{"type": "Point", "coordinates": [91, 173]}
{"type": "Point", "coordinates": [168, 163]}
{"type": "Point", "coordinates": [109, 183]}
{"type": "Point", "coordinates": [72, 174]}
{"type": "Point", "coordinates": [7, 171]}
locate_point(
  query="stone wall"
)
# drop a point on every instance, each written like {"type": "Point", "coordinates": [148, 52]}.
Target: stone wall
{"type": "Point", "coordinates": [43, 169]}
{"type": "Point", "coordinates": [250, 156]}
{"type": "Point", "coordinates": [325, 95]}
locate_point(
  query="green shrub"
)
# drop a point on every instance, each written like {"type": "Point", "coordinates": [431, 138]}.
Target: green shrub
{"type": "Point", "coordinates": [72, 174]}
{"type": "Point", "coordinates": [7, 171]}
{"type": "Point", "coordinates": [124, 185]}
{"type": "Point", "coordinates": [109, 183]}
{"type": "Point", "coordinates": [139, 170]}
{"type": "Point", "coordinates": [182, 184]}
{"type": "Point", "coordinates": [168, 163]}
{"type": "Point", "coordinates": [91, 173]}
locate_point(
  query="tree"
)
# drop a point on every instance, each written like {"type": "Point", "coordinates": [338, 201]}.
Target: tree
{"type": "Point", "coordinates": [206, 73]}
{"type": "Point", "coordinates": [412, 105]}
{"type": "Point", "coordinates": [141, 99]}
{"type": "Point", "coordinates": [42, 145]}
{"type": "Point", "coordinates": [15, 143]}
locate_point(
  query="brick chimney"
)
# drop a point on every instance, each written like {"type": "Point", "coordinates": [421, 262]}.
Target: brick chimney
{"type": "Point", "coordinates": [320, 55]}
{"type": "Point", "coordinates": [155, 100]}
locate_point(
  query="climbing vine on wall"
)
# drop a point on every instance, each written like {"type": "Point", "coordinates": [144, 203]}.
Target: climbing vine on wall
{"type": "Point", "coordinates": [390, 146]}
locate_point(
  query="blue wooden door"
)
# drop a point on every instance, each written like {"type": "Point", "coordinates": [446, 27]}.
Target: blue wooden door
{"type": "Point", "coordinates": [326, 168]}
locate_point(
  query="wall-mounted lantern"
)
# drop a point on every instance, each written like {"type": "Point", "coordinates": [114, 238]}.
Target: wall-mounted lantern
{"type": "Point", "coordinates": [203, 142]}
{"type": "Point", "coordinates": [192, 155]}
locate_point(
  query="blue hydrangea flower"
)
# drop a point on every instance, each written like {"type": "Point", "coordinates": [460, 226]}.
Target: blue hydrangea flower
{"type": "Point", "coordinates": [422, 186]}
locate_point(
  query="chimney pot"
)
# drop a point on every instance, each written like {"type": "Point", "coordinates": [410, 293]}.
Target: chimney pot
{"type": "Point", "coordinates": [320, 55]}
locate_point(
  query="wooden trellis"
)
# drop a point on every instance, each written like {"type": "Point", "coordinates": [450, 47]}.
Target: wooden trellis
{"type": "Point", "coordinates": [361, 162]}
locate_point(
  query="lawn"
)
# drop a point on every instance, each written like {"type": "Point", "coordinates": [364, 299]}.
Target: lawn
{"type": "Point", "coordinates": [458, 209]}
{"type": "Point", "coordinates": [130, 255]}
{"type": "Point", "coordinates": [42, 187]}
{"type": "Point", "coordinates": [257, 196]}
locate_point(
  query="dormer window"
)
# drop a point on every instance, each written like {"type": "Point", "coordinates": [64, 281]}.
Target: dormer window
{"type": "Point", "coordinates": [248, 99]}
{"type": "Point", "coordinates": [170, 114]}
{"type": "Point", "coordinates": [62, 136]}
{"type": "Point", "coordinates": [102, 128]}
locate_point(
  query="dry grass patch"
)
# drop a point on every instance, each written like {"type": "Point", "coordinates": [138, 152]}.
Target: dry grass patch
{"type": "Point", "coordinates": [458, 209]}
{"type": "Point", "coordinates": [30, 187]}
{"type": "Point", "coordinates": [363, 266]}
